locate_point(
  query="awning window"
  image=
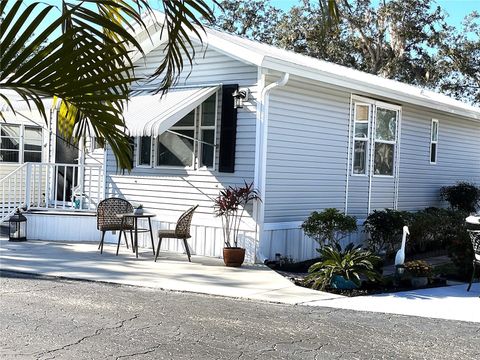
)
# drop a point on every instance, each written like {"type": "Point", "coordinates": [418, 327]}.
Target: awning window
{"type": "Point", "coordinates": [152, 115]}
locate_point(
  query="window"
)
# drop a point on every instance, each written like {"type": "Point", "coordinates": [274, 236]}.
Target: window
{"type": "Point", "coordinates": [434, 142]}
{"type": "Point", "coordinates": [361, 134]}
{"type": "Point", "coordinates": [95, 144]}
{"type": "Point", "coordinates": [385, 139]}
{"type": "Point", "coordinates": [191, 141]}
{"type": "Point", "coordinates": [9, 143]}
{"type": "Point", "coordinates": [32, 146]}
{"type": "Point", "coordinates": [207, 131]}
{"type": "Point", "coordinates": [144, 149]}
{"type": "Point", "coordinates": [20, 143]}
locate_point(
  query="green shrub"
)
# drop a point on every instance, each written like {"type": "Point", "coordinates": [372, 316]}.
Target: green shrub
{"type": "Point", "coordinates": [384, 228]}
{"type": "Point", "coordinates": [426, 230]}
{"type": "Point", "coordinates": [352, 264]}
{"type": "Point", "coordinates": [462, 196]}
{"type": "Point", "coordinates": [458, 243]}
{"type": "Point", "coordinates": [329, 226]}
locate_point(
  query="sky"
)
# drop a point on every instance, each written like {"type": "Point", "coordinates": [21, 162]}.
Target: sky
{"type": "Point", "coordinates": [456, 9]}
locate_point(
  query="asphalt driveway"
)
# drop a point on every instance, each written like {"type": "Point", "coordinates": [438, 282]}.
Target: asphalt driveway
{"type": "Point", "coordinates": [49, 318]}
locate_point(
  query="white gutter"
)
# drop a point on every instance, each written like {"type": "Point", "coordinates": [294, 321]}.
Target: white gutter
{"type": "Point", "coordinates": [349, 150]}
{"type": "Point", "coordinates": [261, 158]}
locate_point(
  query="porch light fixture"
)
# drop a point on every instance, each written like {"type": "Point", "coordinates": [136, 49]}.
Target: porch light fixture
{"type": "Point", "coordinates": [239, 97]}
{"type": "Point", "coordinates": [17, 227]}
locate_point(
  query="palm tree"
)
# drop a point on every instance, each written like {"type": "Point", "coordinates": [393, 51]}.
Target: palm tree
{"type": "Point", "coordinates": [81, 58]}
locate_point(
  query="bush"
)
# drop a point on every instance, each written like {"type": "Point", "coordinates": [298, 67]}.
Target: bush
{"type": "Point", "coordinates": [463, 196]}
{"type": "Point", "coordinates": [352, 264]}
{"type": "Point", "coordinates": [385, 229]}
{"type": "Point", "coordinates": [426, 227]}
{"type": "Point", "coordinates": [329, 226]}
{"type": "Point", "coordinates": [458, 243]}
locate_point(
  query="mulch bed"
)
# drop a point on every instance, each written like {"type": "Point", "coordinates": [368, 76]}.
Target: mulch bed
{"type": "Point", "coordinates": [296, 273]}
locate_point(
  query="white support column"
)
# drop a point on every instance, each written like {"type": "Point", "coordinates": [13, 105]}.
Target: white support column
{"type": "Point", "coordinates": [28, 182]}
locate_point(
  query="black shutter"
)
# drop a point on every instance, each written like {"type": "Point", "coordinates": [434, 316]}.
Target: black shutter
{"type": "Point", "coordinates": [228, 130]}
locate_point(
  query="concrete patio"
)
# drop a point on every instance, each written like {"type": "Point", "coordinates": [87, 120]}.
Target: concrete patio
{"type": "Point", "coordinates": [209, 276]}
{"type": "Point", "coordinates": [171, 271]}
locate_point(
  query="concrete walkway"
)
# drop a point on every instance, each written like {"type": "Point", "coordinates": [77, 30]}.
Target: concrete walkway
{"type": "Point", "coordinates": [210, 276]}
{"type": "Point", "coordinates": [171, 271]}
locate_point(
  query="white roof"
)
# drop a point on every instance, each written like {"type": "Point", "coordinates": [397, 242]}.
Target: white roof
{"type": "Point", "coordinates": [270, 57]}
{"type": "Point", "coordinates": [151, 115]}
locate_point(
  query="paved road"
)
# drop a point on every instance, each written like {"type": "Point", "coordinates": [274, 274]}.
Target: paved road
{"type": "Point", "coordinates": [48, 318]}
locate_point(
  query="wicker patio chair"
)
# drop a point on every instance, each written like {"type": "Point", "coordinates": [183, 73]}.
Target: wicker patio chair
{"type": "Point", "coordinates": [182, 231]}
{"type": "Point", "coordinates": [475, 237]}
{"type": "Point", "coordinates": [107, 219]}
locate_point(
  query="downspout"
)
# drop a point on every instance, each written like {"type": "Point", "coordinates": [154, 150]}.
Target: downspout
{"type": "Point", "coordinates": [261, 161]}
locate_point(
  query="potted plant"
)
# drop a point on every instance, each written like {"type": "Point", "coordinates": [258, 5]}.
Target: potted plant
{"type": "Point", "coordinates": [420, 271]}
{"type": "Point", "coordinates": [138, 209]}
{"type": "Point", "coordinates": [230, 206]}
{"type": "Point", "coordinates": [343, 269]}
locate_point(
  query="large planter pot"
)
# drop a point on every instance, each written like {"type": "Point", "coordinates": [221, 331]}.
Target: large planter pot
{"type": "Point", "coordinates": [339, 282]}
{"type": "Point", "coordinates": [233, 256]}
{"type": "Point", "coordinates": [419, 281]}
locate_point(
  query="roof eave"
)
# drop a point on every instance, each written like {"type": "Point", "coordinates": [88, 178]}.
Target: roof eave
{"type": "Point", "coordinates": [357, 85]}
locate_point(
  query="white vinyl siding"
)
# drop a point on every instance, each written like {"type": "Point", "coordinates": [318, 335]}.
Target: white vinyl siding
{"type": "Point", "coordinates": [457, 157]}
{"type": "Point", "coordinates": [307, 147]}
{"type": "Point", "coordinates": [169, 191]}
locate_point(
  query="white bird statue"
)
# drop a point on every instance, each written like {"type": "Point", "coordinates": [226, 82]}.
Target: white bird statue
{"type": "Point", "coordinates": [400, 257]}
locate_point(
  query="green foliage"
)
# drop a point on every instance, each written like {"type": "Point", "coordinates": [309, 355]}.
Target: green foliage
{"type": "Point", "coordinates": [405, 40]}
{"type": "Point", "coordinates": [462, 196]}
{"type": "Point", "coordinates": [418, 268]}
{"type": "Point", "coordinates": [352, 263]}
{"type": "Point", "coordinates": [427, 229]}
{"type": "Point", "coordinates": [458, 243]}
{"type": "Point", "coordinates": [384, 228]}
{"type": "Point", "coordinates": [329, 226]}
{"type": "Point", "coordinates": [230, 205]}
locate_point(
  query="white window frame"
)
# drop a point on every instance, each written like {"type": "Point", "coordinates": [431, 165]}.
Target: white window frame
{"type": "Point", "coordinates": [175, 129]}
{"type": "Point", "coordinates": [373, 105]}
{"type": "Point", "coordinates": [196, 154]}
{"type": "Point", "coordinates": [137, 150]}
{"type": "Point", "coordinates": [391, 142]}
{"type": "Point", "coordinates": [93, 149]}
{"type": "Point", "coordinates": [210, 127]}
{"type": "Point", "coordinates": [21, 143]}
{"type": "Point", "coordinates": [434, 121]}
{"type": "Point", "coordinates": [366, 140]}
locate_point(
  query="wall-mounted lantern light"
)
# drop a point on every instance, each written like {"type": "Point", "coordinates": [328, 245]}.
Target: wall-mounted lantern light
{"type": "Point", "coordinates": [239, 97]}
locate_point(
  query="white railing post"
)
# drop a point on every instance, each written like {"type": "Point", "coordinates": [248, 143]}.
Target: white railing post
{"type": "Point", "coordinates": [28, 182]}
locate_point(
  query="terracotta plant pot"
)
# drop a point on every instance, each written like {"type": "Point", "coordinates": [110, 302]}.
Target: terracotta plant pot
{"type": "Point", "coordinates": [233, 256]}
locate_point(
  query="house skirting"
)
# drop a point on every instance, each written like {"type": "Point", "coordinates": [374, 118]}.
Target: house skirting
{"type": "Point", "coordinates": [75, 227]}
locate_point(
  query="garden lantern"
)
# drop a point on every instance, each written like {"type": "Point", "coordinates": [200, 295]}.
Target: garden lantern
{"type": "Point", "coordinates": [18, 227]}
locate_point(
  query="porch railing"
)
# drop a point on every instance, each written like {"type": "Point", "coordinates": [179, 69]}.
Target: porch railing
{"type": "Point", "coordinates": [43, 186]}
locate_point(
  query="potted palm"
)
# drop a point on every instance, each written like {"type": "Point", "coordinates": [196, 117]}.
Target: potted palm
{"type": "Point", "coordinates": [230, 206]}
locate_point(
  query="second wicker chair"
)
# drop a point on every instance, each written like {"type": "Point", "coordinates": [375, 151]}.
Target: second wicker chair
{"type": "Point", "coordinates": [181, 232]}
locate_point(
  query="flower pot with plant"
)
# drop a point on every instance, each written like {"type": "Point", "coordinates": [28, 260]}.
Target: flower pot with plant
{"type": "Point", "coordinates": [230, 206]}
{"type": "Point", "coordinates": [138, 209]}
{"type": "Point", "coordinates": [342, 269]}
{"type": "Point", "coordinates": [420, 271]}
